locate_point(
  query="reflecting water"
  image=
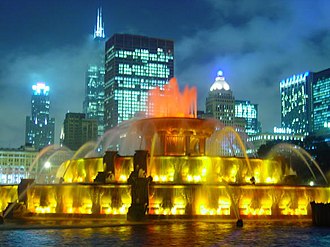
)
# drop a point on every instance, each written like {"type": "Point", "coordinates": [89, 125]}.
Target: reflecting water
{"type": "Point", "coordinates": [165, 233]}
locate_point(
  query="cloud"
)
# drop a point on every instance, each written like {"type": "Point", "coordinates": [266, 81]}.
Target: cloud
{"type": "Point", "coordinates": [256, 45]}
{"type": "Point", "coordinates": [63, 69]}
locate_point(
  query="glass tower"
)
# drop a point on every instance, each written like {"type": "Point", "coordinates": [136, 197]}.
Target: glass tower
{"type": "Point", "coordinates": [93, 105]}
{"type": "Point", "coordinates": [40, 127]}
{"type": "Point", "coordinates": [321, 101]}
{"type": "Point", "coordinates": [244, 109]}
{"type": "Point", "coordinates": [295, 103]}
{"type": "Point", "coordinates": [134, 65]}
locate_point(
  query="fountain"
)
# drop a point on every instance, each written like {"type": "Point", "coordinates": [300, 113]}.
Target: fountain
{"type": "Point", "coordinates": [172, 164]}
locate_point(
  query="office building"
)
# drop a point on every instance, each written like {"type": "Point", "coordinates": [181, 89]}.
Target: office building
{"type": "Point", "coordinates": [295, 103]}
{"type": "Point", "coordinates": [78, 130]}
{"type": "Point", "coordinates": [134, 65]}
{"type": "Point", "coordinates": [305, 103]}
{"type": "Point", "coordinates": [220, 102]}
{"type": "Point", "coordinates": [16, 164]}
{"type": "Point", "coordinates": [249, 112]}
{"type": "Point", "coordinates": [39, 131]}
{"type": "Point", "coordinates": [320, 117]}
{"type": "Point", "coordinates": [93, 105]}
{"type": "Point", "coordinates": [279, 134]}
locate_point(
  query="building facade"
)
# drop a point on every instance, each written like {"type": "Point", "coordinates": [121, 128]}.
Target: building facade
{"type": "Point", "coordinates": [134, 65]}
{"type": "Point", "coordinates": [279, 134]}
{"type": "Point", "coordinates": [93, 105]}
{"type": "Point", "coordinates": [40, 128]}
{"type": "Point", "coordinates": [320, 107]}
{"type": "Point", "coordinates": [16, 164]}
{"type": "Point", "coordinates": [249, 112]}
{"type": "Point", "coordinates": [78, 130]}
{"type": "Point", "coordinates": [295, 103]}
{"type": "Point", "coordinates": [220, 102]}
{"type": "Point", "coordinates": [305, 103]}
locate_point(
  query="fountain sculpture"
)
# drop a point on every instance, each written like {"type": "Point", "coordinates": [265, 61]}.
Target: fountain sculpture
{"type": "Point", "coordinates": [182, 166]}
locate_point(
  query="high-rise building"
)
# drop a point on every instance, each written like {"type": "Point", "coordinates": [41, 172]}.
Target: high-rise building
{"type": "Point", "coordinates": [305, 102]}
{"type": "Point", "coordinates": [134, 65]}
{"type": "Point", "coordinates": [220, 102]}
{"type": "Point", "coordinates": [244, 109]}
{"type": "Point", "coordinates": [320, 117]}
{"type": "Point", "coordinates": [78, 130]}
{"type": "Point", "coordinates": [40, 128]}
{"type": "Point", "coordinates": [295, 103]}
{"type": "Point", "coordinates": [94, 83]}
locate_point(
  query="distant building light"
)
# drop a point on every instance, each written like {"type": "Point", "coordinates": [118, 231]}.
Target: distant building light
{"type": "Point", "coordinates": [282, 130]}
{"type": "Point", "coordinates": [40, 88]}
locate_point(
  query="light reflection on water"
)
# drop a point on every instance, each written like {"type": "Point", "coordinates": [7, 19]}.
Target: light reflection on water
{"type": "Point", "coordinates": [178, 233]}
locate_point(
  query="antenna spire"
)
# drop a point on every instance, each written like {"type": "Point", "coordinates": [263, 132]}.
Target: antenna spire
{"type": "Point", "coordinates": [99, 28]}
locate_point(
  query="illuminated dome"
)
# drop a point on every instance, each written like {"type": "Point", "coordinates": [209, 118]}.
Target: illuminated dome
{"type": "Point", "coordinates": [220, 82]}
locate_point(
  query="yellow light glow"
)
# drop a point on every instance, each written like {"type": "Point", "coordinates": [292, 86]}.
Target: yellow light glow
{"type": "Point", "coordinates": [43, 210]}
{"type": "Point", "coordinates": [203, 210]}
{"type": "Point", "coordinates": [156, 178]}
{"type": "Point", "coordinates": [197, 178]}
{"type": "Point", "coordinates": [123, 210]}
{"type": "Point", "coordinates": [123, 178]}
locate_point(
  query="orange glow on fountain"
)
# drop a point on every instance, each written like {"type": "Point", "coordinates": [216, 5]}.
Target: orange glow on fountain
{"type": "Point", "coordinates": [170, 102]}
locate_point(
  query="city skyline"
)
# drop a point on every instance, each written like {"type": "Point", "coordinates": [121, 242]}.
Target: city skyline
{"type": "Point", "coordinates": [256, 44]}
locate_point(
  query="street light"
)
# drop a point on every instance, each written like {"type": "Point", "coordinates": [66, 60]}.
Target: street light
{"type": "Point", "coordinates": [47, 165]}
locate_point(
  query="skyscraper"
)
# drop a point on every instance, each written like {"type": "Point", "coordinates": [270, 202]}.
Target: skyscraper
{"type": "Point", "coordinates": [295, 103]}
{"type": "Point", "coordinates": [320, 117]}
{"type": "Point", "coordinates": [40, 128]}
{"type": "Point", "coordinates": [220, 102]}
{"type": "Point", "coordinates": [244, 109]}
{"type": "Point", "coordinates": [93, 105]}
{"type": "Point", "coordinates": [133, 65]}
{"type": "Point", "coordinates": [78, 130]}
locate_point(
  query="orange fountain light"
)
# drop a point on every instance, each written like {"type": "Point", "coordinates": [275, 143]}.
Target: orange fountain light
{"type": "Point", "coordinates": [170, 102]}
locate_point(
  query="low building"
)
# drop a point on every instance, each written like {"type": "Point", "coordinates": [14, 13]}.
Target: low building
{"type": "Point", "coordinates": [17, 164]}
{"type": "Point", "coordinates": [279, 134]}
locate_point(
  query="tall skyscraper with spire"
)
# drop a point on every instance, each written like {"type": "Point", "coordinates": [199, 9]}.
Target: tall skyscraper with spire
{"type": "Point", "coordinates": [93, 105]}
{"type": "Point", "coordinates": [40, 127]}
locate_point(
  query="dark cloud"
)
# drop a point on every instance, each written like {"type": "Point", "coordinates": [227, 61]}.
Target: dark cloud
{"type": "Point", "coordinates": [257, 44]}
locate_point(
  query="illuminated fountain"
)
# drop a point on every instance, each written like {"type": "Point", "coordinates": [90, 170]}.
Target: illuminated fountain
{"type": "Point", "coordinates": [191, 177]}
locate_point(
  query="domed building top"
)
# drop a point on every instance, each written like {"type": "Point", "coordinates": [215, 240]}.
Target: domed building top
{"type": "Point", "coordinates": [220, 82]}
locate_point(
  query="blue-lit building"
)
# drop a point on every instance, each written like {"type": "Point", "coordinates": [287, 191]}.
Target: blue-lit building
{"type": "Point", "coordinates": [244, 109]}
{"type": "Point", "coordinates": [93, 106]}
{"type": "Point", "coordinates": [134, 65]}
{"type": "Point", "coordinates": [305, 103]}
{"type": "Point", "coordinates": [295, 103]}
{"type": "Point", "coordinates": [320, 117]}
{"type": "Point", "coordinates": [39, 131]}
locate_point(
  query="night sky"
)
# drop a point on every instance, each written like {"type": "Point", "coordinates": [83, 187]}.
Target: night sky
{"type": "Point", "coordinates": [256, 43]}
